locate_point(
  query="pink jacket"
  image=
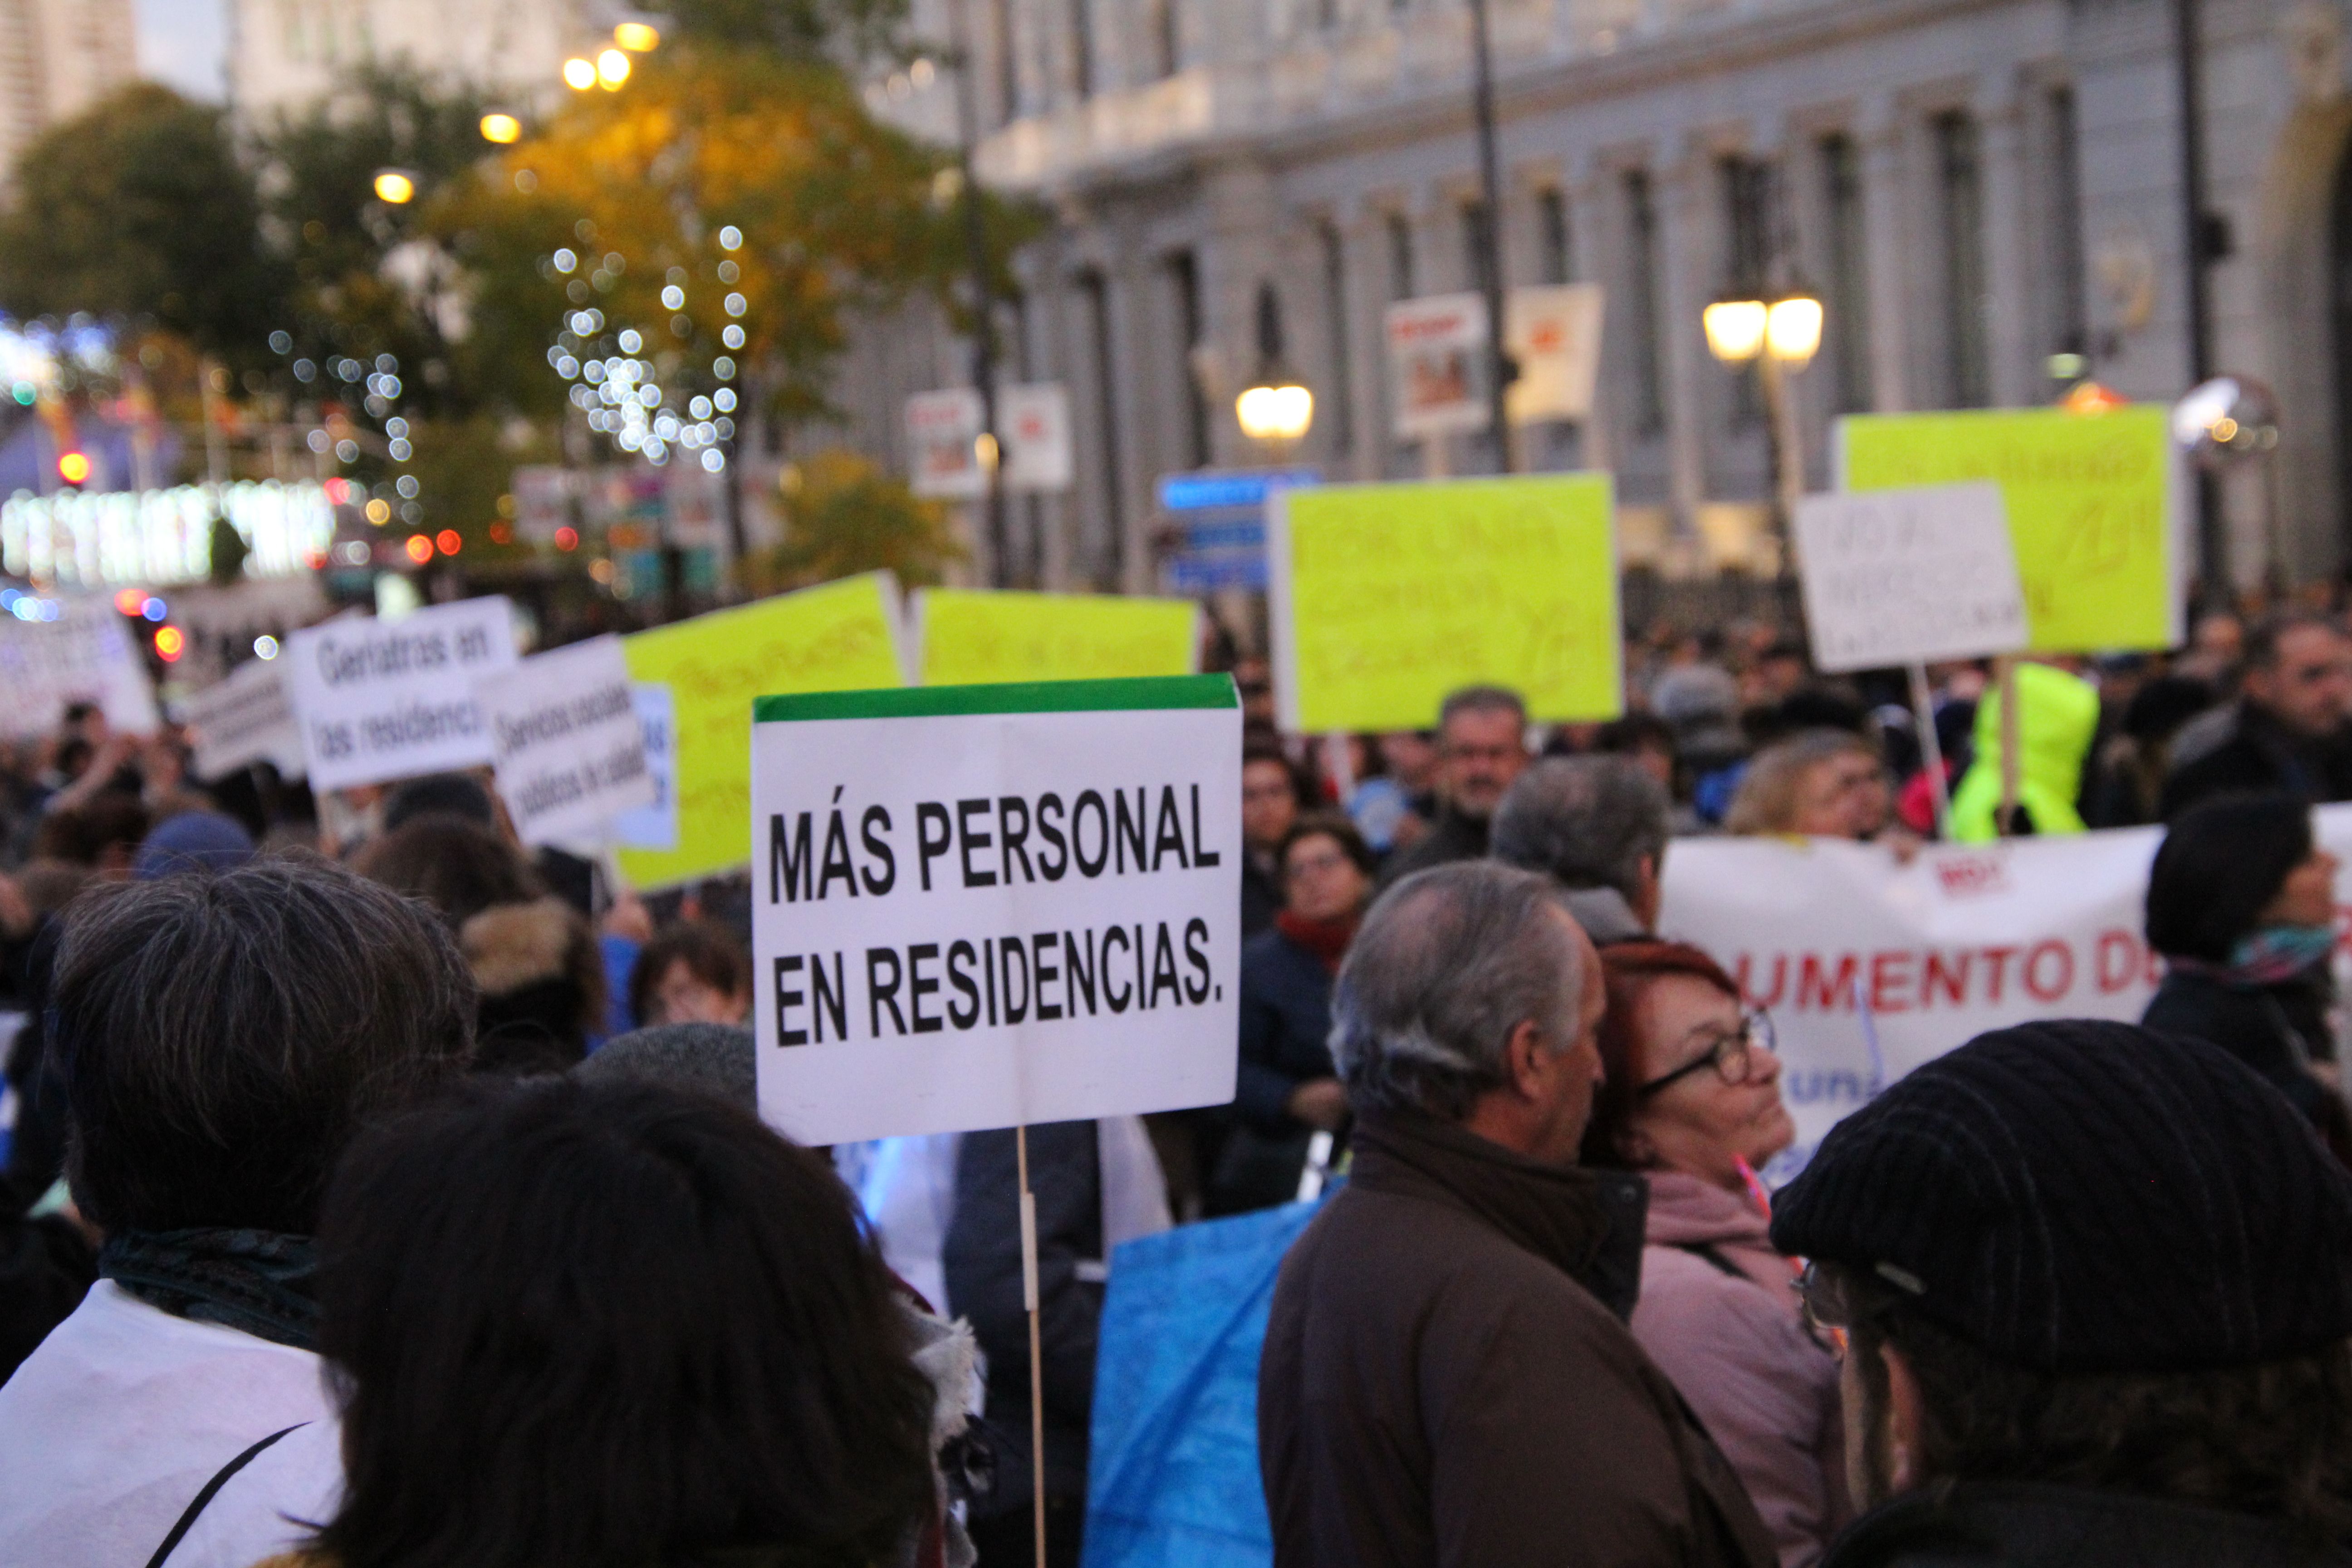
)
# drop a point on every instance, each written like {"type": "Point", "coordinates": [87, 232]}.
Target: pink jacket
{"type": "Point", "coordinates": [1735, 1344]}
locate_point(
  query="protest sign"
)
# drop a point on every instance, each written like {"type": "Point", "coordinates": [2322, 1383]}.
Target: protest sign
{"type": "Point", "coordinates": [570, 753]}
{"type": "Point", "coordinates": [835, 637]}
{"type": "Point", "coordinates": [1438, 366]}
{"type": "Point", "coordinates": [1908, 576]}
{"type": "Point", "coordinates": [985, 906]}
{"type": "Point", "coordinates": [243, 719]}
{"type": "Point", "coordinates": [390, 699]}
{"type": "Point", "coordinates": [82, 656]}
{"type": "Point", "coordinates": [1870, 968]}
{"type": "Point", "coordinates": [971, 637]}
{"type": "Point", "coordinates": [653, 825]}
{"type": "Point", "coordinates": [2091, 509]}
{"type": "Point", "coordinates": [1384, 598]}
{"type": "Point", "coordinates": [1033, 436]}
{"type": "Point", "coordinates": [1554, 333]}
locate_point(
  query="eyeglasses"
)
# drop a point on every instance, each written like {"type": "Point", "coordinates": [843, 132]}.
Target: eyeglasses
{"type": "Point", "coordinates": [1728, 1052]}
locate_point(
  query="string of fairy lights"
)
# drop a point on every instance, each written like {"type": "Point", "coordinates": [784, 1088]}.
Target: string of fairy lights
{"type": "Point", "coordinates": [615, 380]}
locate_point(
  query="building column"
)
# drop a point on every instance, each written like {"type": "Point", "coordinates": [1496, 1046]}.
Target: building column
{"type": "Point", "coordinates": [2009, 296]}
{"type": "Point", "coordinates": [1592, 240]}
{"type": "Point", "coordinates": [1887, 225]}
{"type": "Point", "coordinates": [1238, 254]}
{"type": "Point", "coordinates": [1688, 266]}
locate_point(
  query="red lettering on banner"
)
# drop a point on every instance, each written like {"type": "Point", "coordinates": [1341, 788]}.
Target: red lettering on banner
{"type": "Point", "coordinates": [1822, 990]}
{"type": "Point", "coordinates": [1748, 987]}
{"type": "Point", "coordinates": [1971, 875]}
{"type": "Point", "coordinates": [1953, 977]}
{"type": "Point", "coordinates": [1890, 980]}
{"type": "Point", "coordinates": [2118, 955]}
{"type": "Point", "coordinates": [2043, 988]}
{"type": "Point", "coordinates": [1998, 958]}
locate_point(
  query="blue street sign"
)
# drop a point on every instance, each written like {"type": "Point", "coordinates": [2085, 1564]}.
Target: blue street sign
{"type": "Point", "coordinates": [1218, 523]}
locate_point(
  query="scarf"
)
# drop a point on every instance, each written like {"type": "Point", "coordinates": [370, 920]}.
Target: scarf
{"type": "Point", "coordinates": [255, 1281]}
{"type": "Point", "coordinates": [2270, 956]}
{"type": "Point", "coordinates": [1326, 939]}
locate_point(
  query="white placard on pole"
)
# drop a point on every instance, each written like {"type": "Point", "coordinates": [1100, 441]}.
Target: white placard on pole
{"type": "Point", "coordinates": [571, 754]}
{"type": "Point", "coordinates": [1437, 366]}
{"type": "Point", "coordinates": [940, 430]}
{"type": "Point", "coordinates": [653, 825]}
{"type": "Point", "coordinates": [1033, 423]}
{"type": "Point", "coordinates": [984, 906]}
{"type": "Point", "coordinates": [1908, 576]}
{"type": "Point", "coordinates": [85, 655]}
{"type": "Point", "coordinates": [1554, 333]}
{"type": "Point", "coordinates": [244, 719]}
{"type": "Point", "coordinates": [390, 699]}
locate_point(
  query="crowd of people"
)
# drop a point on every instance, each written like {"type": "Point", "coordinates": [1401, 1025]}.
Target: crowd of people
{"type": "Point", "coordinates": [380, 1192]}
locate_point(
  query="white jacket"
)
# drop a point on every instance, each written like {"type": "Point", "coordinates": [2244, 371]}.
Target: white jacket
{"type": "Point", "coordinates": [112, 1427]}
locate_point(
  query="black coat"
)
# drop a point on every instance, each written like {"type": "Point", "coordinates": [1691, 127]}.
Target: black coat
{"type": "Point", "coordinates": [1453, 837]}
{"type": "Point", "coordinates": [2273, 1029]}
{"type": "Point", "coordinates": [2016, 1524]}
{"type": "Point", "coordinates": [1285, 1021]}
{"type": "Point", "coordinates": [981, 1259]}
{"type": "Point", "coordinates": [2262, 754]}
{"type": "Point", "coordinates": [1261, 899]}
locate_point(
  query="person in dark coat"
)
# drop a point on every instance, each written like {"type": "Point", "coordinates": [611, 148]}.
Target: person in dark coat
{"type": "Point", "coordinates": [1448, 1378]}
{"type": "Point", "coordinates": [1285, 1088]}
{"type": "Point", "coordinates": [1273, 794]}
{"type": "Point", "coordinates": [2291, 731]}
{"type": "Point", "coordinates": [1481, 749]}
{"type": "Point", "coordinates": [2241, 905]}
{"type": "Point", "coordinates": [2095, 1285]}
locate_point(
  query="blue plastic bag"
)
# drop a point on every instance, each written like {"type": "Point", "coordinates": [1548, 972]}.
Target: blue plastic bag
{"type": "Point", "coordinates": [1173, 1476]}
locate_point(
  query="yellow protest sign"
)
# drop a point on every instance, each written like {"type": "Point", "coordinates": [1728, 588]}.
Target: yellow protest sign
{"type": "Point", "coordinates": [974, 637]}
{"type": "Point", "coordinates": [2089, 500]}
{"type": "Point", "coordinates": [837, 637]}
{"type": "Point", "coordinates": [1384, 598]}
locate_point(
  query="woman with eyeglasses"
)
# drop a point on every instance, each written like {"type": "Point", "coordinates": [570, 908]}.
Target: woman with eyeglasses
{"type": "Point", "coordinates": [1691, 1100]}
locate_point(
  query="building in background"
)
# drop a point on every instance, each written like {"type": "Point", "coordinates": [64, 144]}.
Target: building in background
{"type": "Point", "coordinates": [56, 58]}
{"type": "Point", "coordinates": [1975, 188]}
{"type": "Point", "coordinates": [287, 54]}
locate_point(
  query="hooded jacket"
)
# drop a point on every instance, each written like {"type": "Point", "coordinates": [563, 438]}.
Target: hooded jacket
{"type": "Point", "coordinates": [2057, 720]}
{"type": "Point", "coordinates": [1720, 1315]}
{"type": "Point", "coordinates": [2014, 1524]}
{"type": "Point", "coordinates": [1445, 1380]}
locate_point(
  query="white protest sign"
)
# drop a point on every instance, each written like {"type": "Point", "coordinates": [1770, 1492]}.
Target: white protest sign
{"type": "Point", "coordinates": [390, 699]}
{"type": "Point", "coordinates": [1033, 423]}
{"type": "Point", "coordinates": [242, 719]}
{"type": "Point", "coordinates": [653, 825]}
{"type": "Point", "coordinates": [83, 656]}
{"type": "Point", "coordinates": [1908, 576]}
{"type": "Point", "coordinates": [1870, 968]}
{"type": "Point", "coordinates": [987, 906]}
{"type": "Point", "coordinates": [940, 430]}
{"type": "Point", "coordinates": [571, 754]}
{"type": "Point", "coordinates": [1554, 334]}
{"type": "Point", "coordinates": [1437, 365]}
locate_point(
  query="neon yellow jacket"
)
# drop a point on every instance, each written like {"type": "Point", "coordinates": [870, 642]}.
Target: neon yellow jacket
{"type": "Point", "coordinates": [2057, 720]}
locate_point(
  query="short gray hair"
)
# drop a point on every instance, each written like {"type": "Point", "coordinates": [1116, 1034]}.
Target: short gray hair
{"type": "Point", "coordinates": [1447, 963]}
{"type": "Point", "coordinates": [1585, 822]}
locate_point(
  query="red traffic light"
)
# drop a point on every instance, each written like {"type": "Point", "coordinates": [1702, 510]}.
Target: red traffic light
{"type": "Point", "coordinates": [73, 467]}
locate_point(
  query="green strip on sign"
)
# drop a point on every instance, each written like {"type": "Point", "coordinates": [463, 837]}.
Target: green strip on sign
{"type": "Point", "coordinates": [1013, 697]}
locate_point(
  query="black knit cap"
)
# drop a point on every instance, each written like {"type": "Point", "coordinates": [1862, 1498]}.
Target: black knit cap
{"type": "Point", "coordinates": [2079, 1196]}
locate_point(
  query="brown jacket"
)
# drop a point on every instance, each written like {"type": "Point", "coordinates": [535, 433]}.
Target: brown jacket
{"type": "Point", "coordinates": [1443, 1387]}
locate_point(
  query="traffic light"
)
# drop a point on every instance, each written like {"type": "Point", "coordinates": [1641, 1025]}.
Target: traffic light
{"type": "Point", "coordinates": [73, 466]}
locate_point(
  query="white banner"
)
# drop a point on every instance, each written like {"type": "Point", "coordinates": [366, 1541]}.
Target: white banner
{"type": "Point", "coordinates": [1870, 968]}
{"type": "Point", "coordinates": [1033, 425]}
{"type": "Point", "coordinates": [571, 754]}
{"type": "Point", "coordinates": [653, 825]}
{"type": "Point", "coordinates": [244, 719]}
{"type": "Point", "coordinates": [1554, 333]}
{"type": "Point", "coordinates": [971, 916]}
{"type": "Point", "coordinates": [1908, 576]}
{"type": "Point", "coordinates": [83, 656]}
{"type": "Point", "coordinates": [1437, 366]}
{"type": "Point", "coordinates": [390, 699]}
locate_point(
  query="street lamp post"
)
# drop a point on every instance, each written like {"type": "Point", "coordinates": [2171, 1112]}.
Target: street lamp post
{"type": "Point", "coordinates": [1781, 337]}
{"type": "Point", "coordinates": [1500, 369]}
{"type": "Point", "coordinates": [1276, 410]}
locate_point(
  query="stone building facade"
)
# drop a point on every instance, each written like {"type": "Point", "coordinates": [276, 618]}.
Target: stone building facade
{"type": "Point", "coordinates": [56, 58]}
{"type": "Point", "coordinates": [1972, 186]}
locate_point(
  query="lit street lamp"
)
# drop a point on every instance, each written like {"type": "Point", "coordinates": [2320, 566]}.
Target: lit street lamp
{"type": "Point", "coordinates": [394, 187]}
{"type": "Point", "coordinates": [500, 128]}
{"type": "Point", "coordinates": [1276, 409]}
{"type": "Point", "coordinates": [1781, 337]}
{"type": "Point", "coordinates": [579, 74]}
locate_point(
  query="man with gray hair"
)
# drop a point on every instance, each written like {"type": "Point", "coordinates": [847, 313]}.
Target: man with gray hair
{"type": "Point", "coordinates": [1598, 826]}
{"type": "Point", "coordinates": [1447, 1377]}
